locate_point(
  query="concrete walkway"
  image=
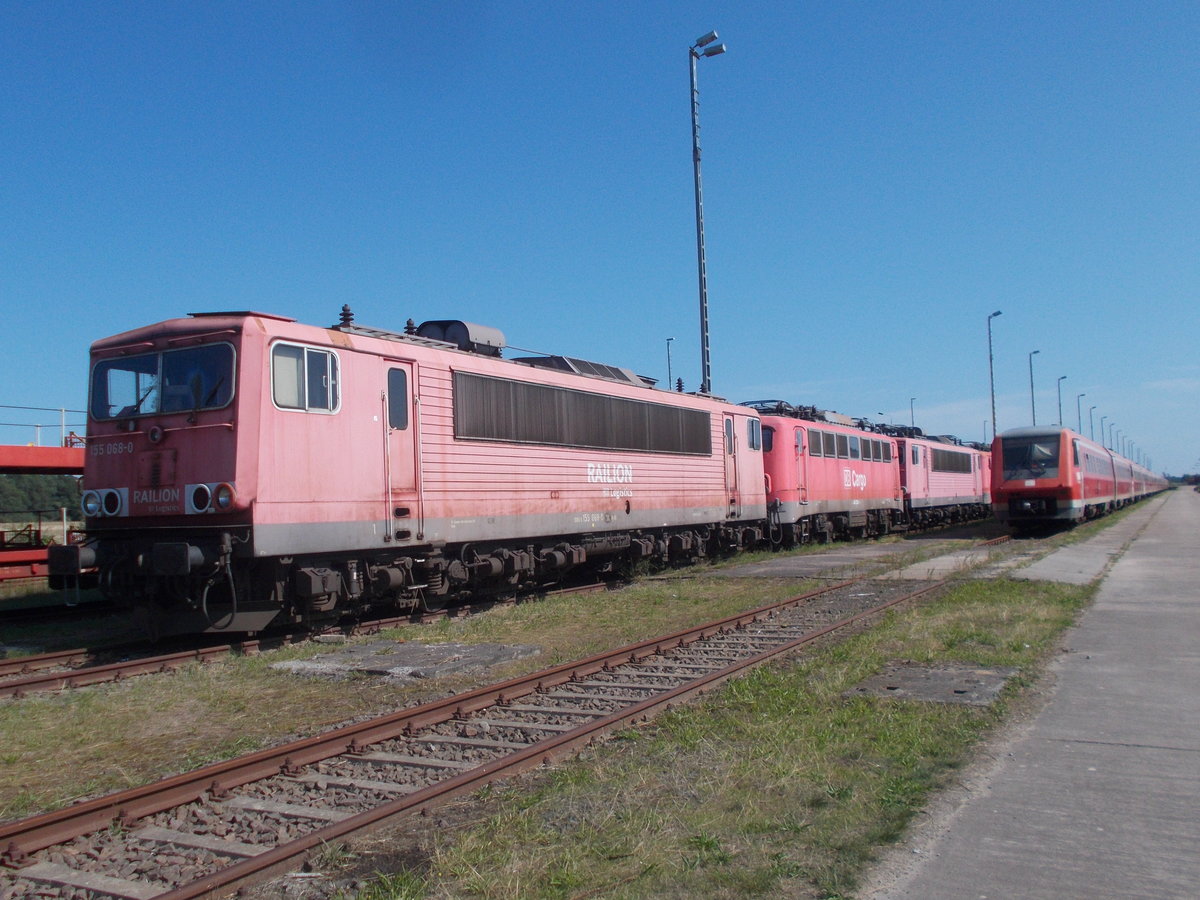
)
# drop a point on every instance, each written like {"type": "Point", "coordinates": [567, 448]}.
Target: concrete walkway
{"type": "Point", "coordinates": [1098, 796]}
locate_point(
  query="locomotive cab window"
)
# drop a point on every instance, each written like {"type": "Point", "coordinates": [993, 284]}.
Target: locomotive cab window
{"type": "Point", "coordinates": [768, 439]}
{"type": "Point", "coordinates": [916, 455]}
{"type": "Point", "coordinates": [304, 378]}
{"type": "Point", "coordinates": [186, 380]}
{"type": "Point", "coordinates": [799, 441]}
{"type": "Point", "coordinates": [754, 434]}
{"type": "Point", "coordinates": [854, 454]}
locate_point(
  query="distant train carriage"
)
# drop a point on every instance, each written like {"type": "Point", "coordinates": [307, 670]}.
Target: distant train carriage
{"type": "Point", "coordinates": [245, 469]}
{"type": "Point", "coordinates": [1047, 475]}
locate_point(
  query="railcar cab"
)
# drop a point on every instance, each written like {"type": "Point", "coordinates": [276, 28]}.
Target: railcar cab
{"type": "Point", "coordinates": [1043, 475]}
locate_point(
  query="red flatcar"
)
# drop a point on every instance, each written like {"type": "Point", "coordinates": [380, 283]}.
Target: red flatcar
{"type": "Point", "coordinates": [1052, 475]}
{"type": "Point", "coordinates": [245, 469]}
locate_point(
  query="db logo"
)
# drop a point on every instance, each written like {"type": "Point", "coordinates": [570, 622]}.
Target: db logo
{"type": "Point", "coordinates": [852, 479]}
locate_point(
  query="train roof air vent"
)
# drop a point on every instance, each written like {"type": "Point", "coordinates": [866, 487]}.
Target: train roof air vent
{"type": "Point", "coordinates": [582, 367]}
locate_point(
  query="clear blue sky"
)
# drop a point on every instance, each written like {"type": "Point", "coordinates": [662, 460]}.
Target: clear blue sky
{"type": "Point", "coordinates": [878, 177]}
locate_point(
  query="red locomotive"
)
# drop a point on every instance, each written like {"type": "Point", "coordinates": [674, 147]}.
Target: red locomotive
{"type": "Point", "coordinates": [245, 469]}
{"type": "Point", "coordinates": [1052, 475]}
{"type": "Point", "coordinates": [829, 476]}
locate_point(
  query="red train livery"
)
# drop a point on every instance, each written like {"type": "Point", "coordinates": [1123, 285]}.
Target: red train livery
{"type": "Point", "coordinates": [244, 468]}
{"type": "Point", "coordinates": [1053, 475]}
{"type": "Point", "coordinates": [827, 478]}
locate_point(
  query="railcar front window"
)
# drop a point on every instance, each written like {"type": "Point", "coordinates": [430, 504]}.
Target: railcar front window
{"type": "Point", "coordinates": [189, 379]}
{"type": "Point", "coordinates": [1030, 457]}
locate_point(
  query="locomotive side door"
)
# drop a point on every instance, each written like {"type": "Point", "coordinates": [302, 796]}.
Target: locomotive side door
{"type": "Point", "coordinates": [400, 419]}
{"type": "Point", "coordinates": [802, 463]}
{"type": "Point", "coordinates": [731, 472]}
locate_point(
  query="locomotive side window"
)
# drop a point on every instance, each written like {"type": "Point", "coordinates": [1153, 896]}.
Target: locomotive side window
{"type": "Point", "coordinates": [729, 436]}
{"type": "Point", "coordinates": [754, 434]}
{"type": "Point", "coordinates": [854, 451]}
{"type": "Point", "coordinates": [304, 378]}
{"type": "Point", "coordinates": [397, 399]}
{"type": "Point", "coordinates": [887, 451]}
{"type": "Point", "coordinates": [830, 441]}
{"type": "Point", "coordinates": [916, 455]}
{"type": "Point", "coordinates": [768, 439]}
{"type": "Point", "coordinates": [816, 444]}
{"type": "Point", "coordinates": [189, 379]}
{"type": "Point", "coordinates": [843, 447]}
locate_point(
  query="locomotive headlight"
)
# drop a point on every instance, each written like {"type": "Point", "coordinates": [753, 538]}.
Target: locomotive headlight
{"type": "Point", "coordinates": [224, 496]}
{"type": "Point", "coordinates": [111, 502]}
{"type": "Point", "coordinates": [90, 504]}
{"type": "Point", "coordinates": [201, 497]}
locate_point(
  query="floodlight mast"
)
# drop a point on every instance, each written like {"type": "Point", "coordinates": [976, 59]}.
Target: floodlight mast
{"type": "Point", "coordinates": [701, 48]}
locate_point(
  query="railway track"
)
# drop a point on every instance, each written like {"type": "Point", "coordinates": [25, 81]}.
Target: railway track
{"type": "Point", "coordinates": [205, 832]}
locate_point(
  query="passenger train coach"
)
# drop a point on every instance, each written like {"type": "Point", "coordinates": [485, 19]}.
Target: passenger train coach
{"type": "Point", "coordinates": [1050, 475]}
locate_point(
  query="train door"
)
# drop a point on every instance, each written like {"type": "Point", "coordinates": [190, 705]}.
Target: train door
{"type": "Point", "coordinates": [918, 472]}
{"type": "Point", "coordinates": [731, 469]}
{"type": "Point", "coordinates": [801, 465]}
{"type": "Point", "coordinates": [401, 437]}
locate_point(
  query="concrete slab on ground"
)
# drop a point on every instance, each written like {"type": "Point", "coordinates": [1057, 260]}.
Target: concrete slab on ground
{"type": "Point", "coordinates": [1081, 563]}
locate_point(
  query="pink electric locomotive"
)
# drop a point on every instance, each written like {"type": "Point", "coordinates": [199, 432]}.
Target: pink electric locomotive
{"type": "Point", "coordinates": [944, 480]}
{"type": "Point", "coordinates": [826, 479]}
{"type": "Point", "coordinates": [829, 476]}
{"type": "Point", "coordinates": [1051, 475]}
{"type": "Point", "coordinates": [245, 469]}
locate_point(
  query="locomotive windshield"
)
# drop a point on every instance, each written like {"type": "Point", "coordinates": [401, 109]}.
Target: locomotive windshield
{"type": "Point", "coordinates": [190, 379]}
{"type": "Point", "coordinates": [1030, 457]}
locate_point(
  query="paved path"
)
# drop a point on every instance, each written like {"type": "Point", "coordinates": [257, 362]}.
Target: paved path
{"type": "Point", "coordinates": [1099, 796]}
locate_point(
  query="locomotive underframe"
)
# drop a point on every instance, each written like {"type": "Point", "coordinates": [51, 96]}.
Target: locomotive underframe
{"type": "Point", "coordinates": [210, 581]}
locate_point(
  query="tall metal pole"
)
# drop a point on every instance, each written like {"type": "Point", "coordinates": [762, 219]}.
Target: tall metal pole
{"type": "Point", "coordinates": [1061, 378]}
{"type": "Point", "coordinates": [670, 382]}
{"type": "Point", "coordinates": [701, 48]}
{"type": "Point", "coordinates": [1032, 402]}
{"type": "Point", "coordinates": [991, 373]}
{"type": "Point", "coordinates": [911, 418]}
{"type": "Point", "coordinates": [1102, 418]}
{"type": "Point", "coordinates": [1079, 412]}
{"type": "Point", "coordinates": [1091, 423]}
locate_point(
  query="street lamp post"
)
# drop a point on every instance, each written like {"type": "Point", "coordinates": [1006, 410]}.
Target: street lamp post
{"type": "Point", "coordinates": [991, 373]}
{"type": "Point", "coordinates": [1032, 403]}
{"type": "Point", "coordinates": [1102, 418]}
{"type": "Point", "coordinates": [1061, 379]}
{"type": "Point", "coordinates": [1111, 426]}
{"type": "Point", "coordinates": [1079, 412]}
{"type": "Point", "coordinates": [912, 420]}
{"type": "Point", "coordinates": [701, 48]}
{"type": "Point", "coordinates": [1091, 423]}
{"type": "Point", "coordinates": [670, 382]}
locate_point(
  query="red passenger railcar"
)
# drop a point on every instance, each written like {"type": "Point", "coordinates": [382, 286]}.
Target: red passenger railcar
{"type": "Point", "coordinates": [244, 468]}
{"type": "Point", "coordinates": [1052, 475]}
